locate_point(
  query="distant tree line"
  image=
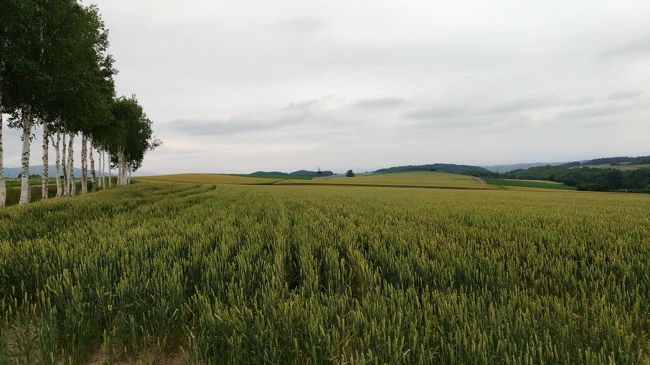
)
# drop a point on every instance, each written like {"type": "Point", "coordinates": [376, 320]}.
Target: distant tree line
{"type": "Point", "coordinates": [641, 160]}
{"type": "Point", "coordinates": [445, 167]}
{"type": "Point", "coordinates": [56, 73]}
{"type": "Point", "coordinates": [586, 178]}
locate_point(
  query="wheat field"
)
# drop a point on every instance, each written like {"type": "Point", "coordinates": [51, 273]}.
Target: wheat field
{"type": "Point", "coordinates": [205, 274]}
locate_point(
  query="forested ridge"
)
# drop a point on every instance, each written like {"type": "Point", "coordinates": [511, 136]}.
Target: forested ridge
{"type": "Point", "coordinates": [589, 178]}
{"type": "Point", "coordinates": [446, 167]}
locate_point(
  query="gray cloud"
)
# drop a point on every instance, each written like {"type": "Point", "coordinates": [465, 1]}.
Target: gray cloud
{"type": "Point", "coordinates": [437, 113]}
{"type": "Point", "coordinates": [521, 105]}
{"type": "Point", "coordinates": [589, 107]}
{"type": "Point", "coordinates": [198, 127]}
{"type": "Point", "coordinates": [312, 113]}
{"type": "Point", "coordinates": [368, 84]}
{"type": "Point", "coordinates": [302, 105]}
{"type": "Point", "coordinates": [445, 124]}
{"type": "Point", "coordinates": [604, 110]}
{"type": "Point", "coordinates": [624, 95]}
{"type": "Point", "coordinates": [638, 47]}
{"type": "Point", "coordinates": [495, 110]}
{"type": "Point", "coordinates": [379, 103]}
{"type": "Point", "coordinates": [300, 25]}
{"type": "Point", "coordinates": [586, 113]}
{"type": "Point", "coordinates": [469, 123]}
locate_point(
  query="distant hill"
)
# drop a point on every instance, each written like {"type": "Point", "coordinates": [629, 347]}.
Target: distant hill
{"type": "Point", "coordinates": [451, 168]}
{"type": "Point", "coordinates": [299, 173]}
{"type": "Point", "coordinates": [602, 174]}
{"type": "Point", "coordinates": [500, 169]}
{"type": "Point", "coordinates": [640, 160]}
{"type": "Point", "coordinates": [12, 172]}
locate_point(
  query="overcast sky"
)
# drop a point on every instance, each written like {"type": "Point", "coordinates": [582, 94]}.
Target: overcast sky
{"type": "Point", "coordinates": [239, 86]}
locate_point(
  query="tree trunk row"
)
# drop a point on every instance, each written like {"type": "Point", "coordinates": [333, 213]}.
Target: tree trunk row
{"type": "Point", "coordinates": [123, 169]}
{"type": "Point", "coordinates": [65, 179]}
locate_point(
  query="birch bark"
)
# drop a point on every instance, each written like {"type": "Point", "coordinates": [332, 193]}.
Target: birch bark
{"type": "Point", "coordinates": [71, 181]}
{"type": "Point", "coordinates": [84, 164]}
{"type": "Point", "coordinates": [46, 173]}
{"type": "Point", "coordinates": [110, 180]}
{"type": "Point", "coordinates": [101, 169]}
{"type": "Point", "coordinates": [119, 168]}
{"type": "Point", "coordinates": [64, 163]}
{"type": "Point", "coordinates": [25, 190]}
{"type": "Point", "coordinates": [57, 144]}
{"type": "Point", "coordinates": [93, 176]}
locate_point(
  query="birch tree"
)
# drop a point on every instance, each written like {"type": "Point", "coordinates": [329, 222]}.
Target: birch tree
{"type": "Point", "coordinates": [45, 188]}
{"type": "Point", "coordinates": [56, 144]}
{"type": "Point", "coordinates": [55, 70]}
{"type": "Point", "coordinates": [21, 74]}
{"type": "Point", "coordinates": [93, 175]}
{"type": "Point", "coordinates": [70, 169]}
{"type": "Point", "coordinates": [131, 139]}
{"type": "Point", "coordinates": [84, 164]}
{"type": "Point", "coordinates": [25, 188]}
{"type": "Point", "coordinates": [64, 164]}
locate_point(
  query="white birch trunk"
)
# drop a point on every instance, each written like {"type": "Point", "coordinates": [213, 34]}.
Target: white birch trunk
{"type": "Point", "coordinates": [57, 144]}
{"type": "Point", "coordinates": [117, 169]}
{"type": "Point", "coordinates": [103, 169]}
{"type": "Point", "coordinates": [64, 163]}
{"type": "Point", "coordinates": [110, 180]}
{"type": "Point", "coordinates": [25, 190]}
{"type": "Point", "coordinates": [46, 173]}
{"type": "Point", "coordinates": [84, 164]}
{"type": "Point", "coordinates": [3, 187]}
{"type": "Point", "coordinates": [120, 168]}
{"type": "Point", "coordinates": [73, 185]}
{"type": "Point", "coordinates": [93, 176]}
{"type": "Point", "coordinates": [100, 154]}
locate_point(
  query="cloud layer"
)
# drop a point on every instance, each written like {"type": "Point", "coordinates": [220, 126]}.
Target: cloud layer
{"type": "Point", "coordinates": [239, 86]}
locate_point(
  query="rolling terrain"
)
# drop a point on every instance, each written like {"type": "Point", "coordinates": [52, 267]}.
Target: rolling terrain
{"type": "Point", "coordinates": [423, 179]}
{"type": "Point", "coordinates": [213, 179]}
{"type": "Point", "coordinates": [411, 179]}
{"type": "Point", "coordinates": [211, 273]}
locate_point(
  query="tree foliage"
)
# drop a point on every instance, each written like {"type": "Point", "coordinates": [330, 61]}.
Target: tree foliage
{"type": "Point", "coordinates": [131, 132]}
{"type": "Point", "coordinates": [55, 70]}
{"type": "Point", "coordinates": [586, 178]}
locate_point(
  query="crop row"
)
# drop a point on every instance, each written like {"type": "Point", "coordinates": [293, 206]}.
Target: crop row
{"type": "Point", "coordinates": [273, 274]}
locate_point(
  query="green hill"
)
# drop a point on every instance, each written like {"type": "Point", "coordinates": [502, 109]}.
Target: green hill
{"type": "Point", "coordinates": [450, 168]}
